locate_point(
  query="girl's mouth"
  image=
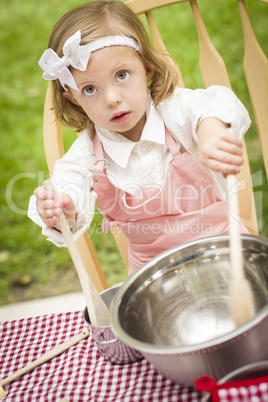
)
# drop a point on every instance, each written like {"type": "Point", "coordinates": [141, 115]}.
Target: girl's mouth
{"type": "Point", "coordinates": [120, 117]}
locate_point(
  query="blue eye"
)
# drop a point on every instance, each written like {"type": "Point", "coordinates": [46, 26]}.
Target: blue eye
{"type": "Point", "coordinates": [122, 76]}
{"type": "Point", "coordinates": [89, 90]}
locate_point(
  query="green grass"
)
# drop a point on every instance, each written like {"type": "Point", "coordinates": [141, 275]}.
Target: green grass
{"type": "Point", "coordinates": [30, 266]}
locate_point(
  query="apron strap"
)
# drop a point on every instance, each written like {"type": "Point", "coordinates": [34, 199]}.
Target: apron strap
{"type": "Point", "coordinates": [98, 147]}
{"type": "Point", "coordinates": [173, 146]}
{"type": "Point", "coordinates": [101, 163]}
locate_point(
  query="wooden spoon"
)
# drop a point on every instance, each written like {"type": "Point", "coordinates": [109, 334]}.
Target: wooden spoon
{"type": "Point", "coordinates": [242, 301]}
{"type": "Point", "coordinates": [42, 359]}
{"type": "Point", "coordinates": [97, 309]}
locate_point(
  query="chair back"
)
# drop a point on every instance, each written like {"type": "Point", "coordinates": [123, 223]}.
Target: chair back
{"type": "Point", "coordinates": [213, 71]}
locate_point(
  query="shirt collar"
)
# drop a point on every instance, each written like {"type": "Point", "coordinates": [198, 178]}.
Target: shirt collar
{"type": "Point", "coordinates": [119, 148]}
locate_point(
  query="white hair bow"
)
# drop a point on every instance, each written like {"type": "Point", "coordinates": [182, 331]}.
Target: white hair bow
{"type": "Point", "coordinates": [77, 56]}
{"type": "Point", "coordinates": [73, 55]}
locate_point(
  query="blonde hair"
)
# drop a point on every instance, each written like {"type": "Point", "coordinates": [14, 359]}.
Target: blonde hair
{"type": "Point", "coordinates": [103, 18]}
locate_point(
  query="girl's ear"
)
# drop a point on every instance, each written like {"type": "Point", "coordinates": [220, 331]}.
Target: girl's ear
{"type": "Point", "coordinates": [149, 72]}
{"type": "Point", "coordinates": [70, 97]}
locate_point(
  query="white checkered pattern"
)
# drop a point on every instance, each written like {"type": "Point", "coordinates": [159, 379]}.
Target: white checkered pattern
{"type": "Point", "coordinates": [80, 373]}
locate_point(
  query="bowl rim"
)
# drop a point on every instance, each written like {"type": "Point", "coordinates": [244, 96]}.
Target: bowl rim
{"type": "Point", "coordinates": [243, 370]}
{"type": "Point", "coordinates": [185, 349]}
{"type": "Point", "coordinates": [232, 376]}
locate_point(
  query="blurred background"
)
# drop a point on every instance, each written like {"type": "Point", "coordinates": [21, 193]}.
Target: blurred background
{"type": "Point", "coordinates": [30, 266]}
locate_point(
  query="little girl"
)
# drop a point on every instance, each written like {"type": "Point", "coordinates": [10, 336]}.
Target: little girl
{"type": "Point", "coordinates": [152, 155]}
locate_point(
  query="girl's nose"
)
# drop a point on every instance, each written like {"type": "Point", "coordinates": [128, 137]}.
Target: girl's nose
{"type": "Point", "coordinates": [112, 97]}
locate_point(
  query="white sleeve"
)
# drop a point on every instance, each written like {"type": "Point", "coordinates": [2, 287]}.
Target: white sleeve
{"type": "Point", "coordinates": [222, 103]}
{"type": "Point", "coordinates": [73, 174]}
{"type": "Point", "coordinates": [186, 108]}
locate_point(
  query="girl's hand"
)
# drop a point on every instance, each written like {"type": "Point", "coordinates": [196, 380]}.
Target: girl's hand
{"type": "Point", "coordinates": [50, 210]}
{"type": "Point", "coordinates": [218, 148]}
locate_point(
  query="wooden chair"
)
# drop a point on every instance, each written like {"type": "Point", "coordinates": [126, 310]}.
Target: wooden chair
{"type": "Point", "coordinates": [213, 71]}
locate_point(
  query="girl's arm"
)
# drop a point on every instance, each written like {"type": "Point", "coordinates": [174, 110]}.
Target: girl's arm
{"type": "Point", "coordinates": [186, 109]}
{"type": "Point", "coordinates": [73, 180]}
{"type": "Point", "coordinates": [218, 147]}
{"type": "Point", "coordinates": [187, 115]}
{"type": "Point", "coordinates": [200, 120]}
{"type": "Point", "coordinates": [49, 210]}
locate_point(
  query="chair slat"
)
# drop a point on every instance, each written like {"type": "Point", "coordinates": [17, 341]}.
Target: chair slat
{"type": "Point", "coordinates": [157, 40]}
{"type": "Point", "coordinates": [141, 6]}
{"type": "Point", "coordinates": [214, 71]}
{"type": "Point", "coordinates": [121, 242]}
{"type": "Point", "coordinates": [52, 129]}
{"type": "Point", "coordinates": [256, 71]}
{"type": "Point", "coordinates": [91, 262]}
{"type": "Point", "coordinates": [212, 66]}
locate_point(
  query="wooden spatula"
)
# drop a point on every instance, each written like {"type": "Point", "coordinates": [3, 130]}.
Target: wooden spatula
{"type": "Point", "coordinates": [42, 359]}
{"type": "Point", "coordinates": [242, 301]}
{"type": "Point", "coordinates": [97, 309]}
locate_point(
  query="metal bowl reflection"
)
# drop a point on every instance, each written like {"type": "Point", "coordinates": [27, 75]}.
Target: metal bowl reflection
{"type": "Point", "coordinates": [176, 310]}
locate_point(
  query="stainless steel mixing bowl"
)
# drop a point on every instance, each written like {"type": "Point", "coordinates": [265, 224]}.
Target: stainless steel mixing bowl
{"type": "Point", "coordinates": [176, 310]}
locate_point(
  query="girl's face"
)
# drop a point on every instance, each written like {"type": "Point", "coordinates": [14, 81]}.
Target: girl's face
{"type": "Point", "coordinates": [113, 90]}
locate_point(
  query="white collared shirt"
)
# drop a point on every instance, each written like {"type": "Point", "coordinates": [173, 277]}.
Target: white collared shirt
{"type": "Point", "coordinates": [144, 163]}
{"type": "Point", "coordinates": [137, 164]}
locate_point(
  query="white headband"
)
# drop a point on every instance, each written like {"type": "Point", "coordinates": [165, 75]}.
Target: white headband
{"type": "Point", "coordinates": [77, 56]}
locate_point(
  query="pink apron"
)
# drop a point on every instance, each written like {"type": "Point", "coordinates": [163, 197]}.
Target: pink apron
{"type": "Point", "coordinates": [185, 208]}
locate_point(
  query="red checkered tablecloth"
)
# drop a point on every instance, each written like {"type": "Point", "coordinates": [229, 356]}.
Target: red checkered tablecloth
{"type": "Point", "coordinates": [245, 390]}
{"type": "Point", "coordinates": [80, 373]}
